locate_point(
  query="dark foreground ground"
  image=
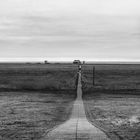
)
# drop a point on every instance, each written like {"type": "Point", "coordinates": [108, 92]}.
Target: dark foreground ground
{"type": "Point", "coordinates": [113, 103]}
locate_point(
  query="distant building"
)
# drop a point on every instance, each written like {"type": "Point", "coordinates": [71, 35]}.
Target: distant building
{"type": "Point", "coordinates": [76, 62]}
{"type": "Point", "coordinates": [46, 62]}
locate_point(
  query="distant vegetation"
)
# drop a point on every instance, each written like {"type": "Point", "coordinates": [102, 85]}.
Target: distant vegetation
{"type": "Point", "coordinates": [34, 77]}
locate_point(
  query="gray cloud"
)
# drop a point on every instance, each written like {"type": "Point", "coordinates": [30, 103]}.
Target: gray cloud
{"type": "Point", "coordinates": [90, 36]}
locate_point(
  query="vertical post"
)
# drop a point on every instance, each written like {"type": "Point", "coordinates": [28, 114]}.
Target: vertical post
{"type": "Point", "coordinates": [93, 75]}
{"type": "Point", "coordinates": [77, 76]}
{"type": "Point", "coordinates": [79, 68]}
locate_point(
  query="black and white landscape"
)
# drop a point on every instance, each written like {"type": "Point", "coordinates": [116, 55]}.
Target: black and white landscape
{"type": "Point", "coordinates": [69, 70]}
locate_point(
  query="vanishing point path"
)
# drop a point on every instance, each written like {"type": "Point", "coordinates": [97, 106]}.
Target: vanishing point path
{"type": "Point", "coordinates": [77, 127]}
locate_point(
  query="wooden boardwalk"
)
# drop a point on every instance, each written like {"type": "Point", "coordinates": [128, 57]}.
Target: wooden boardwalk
{"type": "Point", "coordinates": [77, 127]}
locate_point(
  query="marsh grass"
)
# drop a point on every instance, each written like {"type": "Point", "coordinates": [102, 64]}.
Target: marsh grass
{"type": "Point", "coordinates": [38, 78]}
{"type": "Point", "coordinates": [30, 115]}
{"type": "Point", "coordinates": [34, 98]}
{"type": "Point", "coordinates": [113, 103]}
{"type": "Point", "coordinates": [116, 114]}
{"type": "Point", "coordinates": [107, 78]}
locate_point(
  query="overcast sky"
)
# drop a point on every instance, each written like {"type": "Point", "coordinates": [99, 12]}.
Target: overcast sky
{"type": "Point", "coordinates": [70, 29]}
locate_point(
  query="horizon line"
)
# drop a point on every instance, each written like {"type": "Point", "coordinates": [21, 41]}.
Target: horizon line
{"type": "Point", "coordinates": [65, 59]}
{"type": "Point", "coordinates": [86, 62]}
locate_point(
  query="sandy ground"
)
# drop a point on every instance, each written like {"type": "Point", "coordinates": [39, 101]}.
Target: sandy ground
{"type": "Point", "coordinates": [77, 127]}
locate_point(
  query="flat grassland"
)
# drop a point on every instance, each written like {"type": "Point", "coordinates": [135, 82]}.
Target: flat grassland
{"type": "Point", "coordinates": [34, 98]}
{"type": "Point", "coordinates": [37, 77]}
{"type": "Point", "coordinates": [113, 103]}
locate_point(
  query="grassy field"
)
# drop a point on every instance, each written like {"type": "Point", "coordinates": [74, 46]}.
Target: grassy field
{"type": "Point", "coordinates": [34, 98]}
{"type": "Point", "coordinates": [30, 115]}
{"type": "Point", "coordinates": [113, 103]}
{"type": "Point", "coordinates": [37, 77]}
{"type": "Point", "coordinates": [112, 77]}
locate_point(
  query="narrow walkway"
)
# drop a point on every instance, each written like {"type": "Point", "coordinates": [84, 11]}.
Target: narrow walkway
{"type": "Point", "coordinates": [77, 127]}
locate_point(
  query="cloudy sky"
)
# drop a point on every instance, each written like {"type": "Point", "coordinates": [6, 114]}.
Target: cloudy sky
{"type": "Point", "coordinates": [70, 29]}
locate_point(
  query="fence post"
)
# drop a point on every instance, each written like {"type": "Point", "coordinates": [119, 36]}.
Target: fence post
{"type": "Point", "coordinates": [93, 75]}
